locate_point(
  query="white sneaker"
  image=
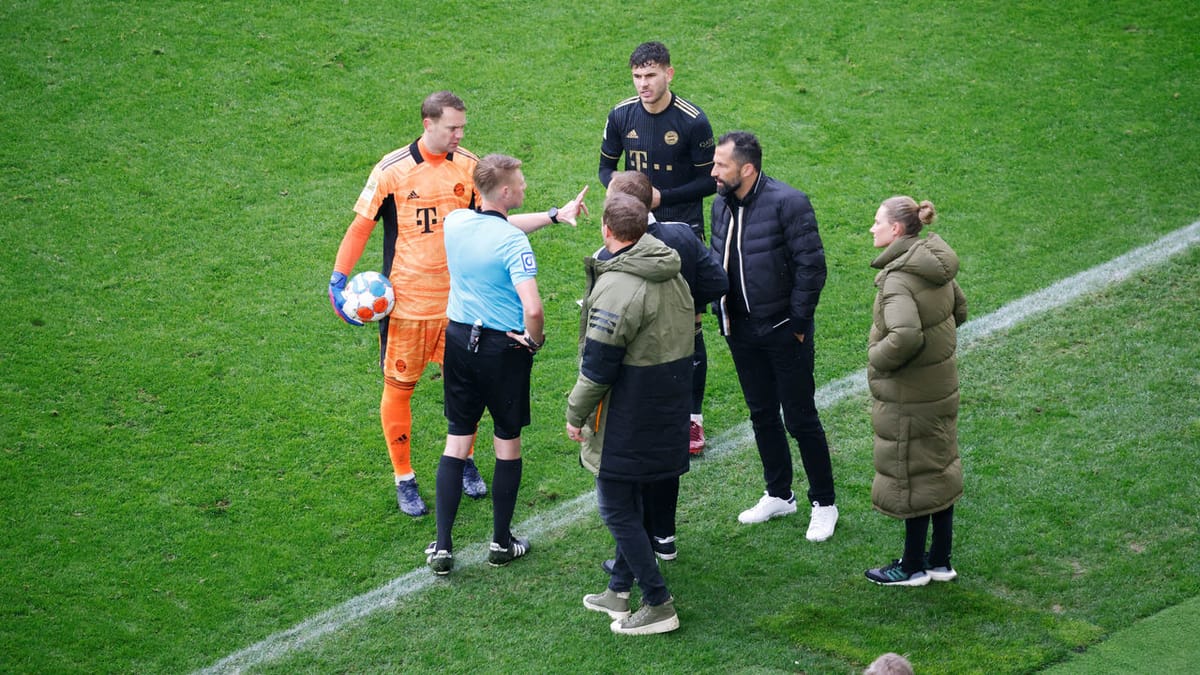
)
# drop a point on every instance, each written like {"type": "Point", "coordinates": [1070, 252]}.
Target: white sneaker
{"type": "Point", "coordinates": [824, 519]}
{"type": "Point", "coordinates": [767, 508]}
{"type": "Point", "coordinates": [943, 573]}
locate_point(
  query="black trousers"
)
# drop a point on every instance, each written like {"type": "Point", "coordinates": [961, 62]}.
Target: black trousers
{"type": "Point", "coordinates": [660, 501]}
{"type": "Point", "coordinates": [699, 371]}
{"type": "Point", "coordinates": [621, 507]}
{"type": "Point", "coordinates": [915, 530]}
{"type": "Point", "coordinates": [776, 373]}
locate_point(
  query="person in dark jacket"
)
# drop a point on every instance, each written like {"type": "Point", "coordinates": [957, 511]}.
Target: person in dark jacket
{"type": "Point", "coordinates": [765, 233]}
{"type": "Point", "coordinates": [707, 282]}
{"type": "Point", "coordinates": [628, 408]}
{"type": "Point", "coordinates": [913, 379]}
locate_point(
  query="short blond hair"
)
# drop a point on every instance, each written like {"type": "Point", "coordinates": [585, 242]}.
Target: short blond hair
{"type": "Point", "coordinates": [493, 172]}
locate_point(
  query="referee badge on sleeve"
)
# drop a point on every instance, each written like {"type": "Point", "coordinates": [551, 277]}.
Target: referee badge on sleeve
{"type": "Point", "coordinates": [528, 262]}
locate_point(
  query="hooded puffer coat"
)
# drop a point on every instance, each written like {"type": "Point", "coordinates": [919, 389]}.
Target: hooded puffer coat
{"type": "Point", "coordinates": [913, 377]}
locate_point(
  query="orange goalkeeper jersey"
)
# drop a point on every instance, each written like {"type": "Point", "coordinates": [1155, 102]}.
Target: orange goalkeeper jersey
{"type": "Point", "coordinates": [412, 190]}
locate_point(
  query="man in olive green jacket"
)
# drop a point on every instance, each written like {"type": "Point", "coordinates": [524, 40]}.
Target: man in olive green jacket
{"type": "Point", "coordinates": [630, 407]}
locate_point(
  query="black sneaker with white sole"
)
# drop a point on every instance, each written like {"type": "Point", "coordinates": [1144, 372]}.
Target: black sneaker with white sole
{"type": "Point", "coordinates": [664, 547]}
{"type": "Point", "coordinates": [499, 557]}
{"type": "Point", "coordinates": [940, 572]}
{"type": "Point", "coordinates": [441, 562]}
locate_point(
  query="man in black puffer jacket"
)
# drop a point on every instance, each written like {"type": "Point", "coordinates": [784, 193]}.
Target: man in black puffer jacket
{"type": "Point", "coordinates": [765, 234]}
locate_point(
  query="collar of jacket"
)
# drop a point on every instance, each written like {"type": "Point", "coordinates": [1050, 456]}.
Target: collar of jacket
{"type": "Point", "coordinates": [928, 258]}
{"type": "Point", "coordinates": [733, 200]}
{"type": "Point", "coordinates": [894, 250]}
{"type": "Point", "coordinates": [648, 258]}
{"type": "Point", "coordinates": [605, 254]}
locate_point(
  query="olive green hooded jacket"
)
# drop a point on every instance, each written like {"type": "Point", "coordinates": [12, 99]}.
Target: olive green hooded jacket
{"type": "Point", "coordinates": [632, 398]}
{"type": "Point", "coordinates": [913, 377]}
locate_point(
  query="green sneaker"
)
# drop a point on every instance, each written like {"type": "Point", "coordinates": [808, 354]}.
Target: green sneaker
{"type": "Point", "coordinates": [612, 603]}
{"type": "Point", "coordinates": [441, 562]}
{"type": "Point", "coordinates": [648, 620]}
{"type": "Point", "coordinates": [499, 557]}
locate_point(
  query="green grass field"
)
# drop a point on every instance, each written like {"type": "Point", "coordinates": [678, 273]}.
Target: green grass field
{"type": "Point", "coordinates": [190, 459]}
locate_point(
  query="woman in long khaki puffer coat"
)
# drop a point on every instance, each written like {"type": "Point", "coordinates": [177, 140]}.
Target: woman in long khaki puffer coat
{"type": "Point", "coordinates": [913, 379]}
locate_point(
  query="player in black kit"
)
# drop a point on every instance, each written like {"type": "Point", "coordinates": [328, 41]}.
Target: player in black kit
{"type": "Point", "coordinates": [670, 140]}
{"type": "Point", "coordinates": [663, 136]}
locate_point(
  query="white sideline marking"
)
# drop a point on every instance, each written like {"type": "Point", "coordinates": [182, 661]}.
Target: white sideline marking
{"type": "Point", "coordinates": [1088, 281]}
{"type": "Point", "coordinates": [1053, 297]}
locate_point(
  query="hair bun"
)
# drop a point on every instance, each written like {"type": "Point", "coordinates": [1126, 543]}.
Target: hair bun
{"type": "Point", "coordinates": [925, 212]}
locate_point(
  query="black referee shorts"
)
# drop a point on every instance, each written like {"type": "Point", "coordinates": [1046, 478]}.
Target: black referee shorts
{"type": "Point", "coordinates": [495, 377]}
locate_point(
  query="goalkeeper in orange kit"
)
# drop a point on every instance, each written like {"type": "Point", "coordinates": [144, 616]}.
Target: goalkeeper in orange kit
{"type": "Point", "coordinates": [411, 190]}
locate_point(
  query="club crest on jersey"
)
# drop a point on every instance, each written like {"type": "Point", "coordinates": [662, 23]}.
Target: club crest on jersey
{"type": "Point", "coordinates": [671, 138]}
{"type": "Point", "coordinates": [459, 189]}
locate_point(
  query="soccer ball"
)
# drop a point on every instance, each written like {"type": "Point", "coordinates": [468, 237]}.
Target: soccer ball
{"type": "Point", "coordinates": [369, 296]}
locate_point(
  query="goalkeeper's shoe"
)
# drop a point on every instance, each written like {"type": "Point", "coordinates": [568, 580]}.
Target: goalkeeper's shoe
{"type": "Point", "coordinates": [409, 498]}
{"type": "Point", "coordinates": [473, 483]}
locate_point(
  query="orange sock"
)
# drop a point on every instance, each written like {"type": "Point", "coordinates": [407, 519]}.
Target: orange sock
{"type": "Point", "coordinates": [395, 411]}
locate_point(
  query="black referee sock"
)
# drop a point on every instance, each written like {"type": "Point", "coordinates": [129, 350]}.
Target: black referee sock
{"type": "Point", "coordinates": [506, 481]}
{"type": "Point", "coordinates": [447, 499]}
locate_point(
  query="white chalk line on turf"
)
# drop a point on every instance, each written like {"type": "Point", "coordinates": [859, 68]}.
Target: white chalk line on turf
{"type": "Point", "coordinates": [1052, 297]}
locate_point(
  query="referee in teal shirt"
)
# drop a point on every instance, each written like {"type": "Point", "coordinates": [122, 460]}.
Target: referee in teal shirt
{"type": "Point", "coordinates": [495, 327]}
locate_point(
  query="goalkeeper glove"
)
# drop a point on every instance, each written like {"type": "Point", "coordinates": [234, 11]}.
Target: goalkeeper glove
{"type": "Point", "coordinates": [337, 298]}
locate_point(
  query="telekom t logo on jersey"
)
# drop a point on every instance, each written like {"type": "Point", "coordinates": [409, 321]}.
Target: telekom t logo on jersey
{"type": "Point", "coordinates": [427, 218]}
{"type": "Point", "coordinates": [639, 160]}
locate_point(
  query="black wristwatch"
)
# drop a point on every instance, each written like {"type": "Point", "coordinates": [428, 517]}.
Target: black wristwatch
{"type": "Point", "coordinates": [534, 346]}
{"type": "Point", "coordinates": [553, 213]}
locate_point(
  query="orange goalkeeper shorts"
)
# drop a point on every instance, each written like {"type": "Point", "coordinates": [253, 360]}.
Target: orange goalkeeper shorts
{"type": "Point", "coordinates": [408, 345]}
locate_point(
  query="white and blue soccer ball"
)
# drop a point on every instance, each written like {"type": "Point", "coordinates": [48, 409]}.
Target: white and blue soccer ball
{"type": "Point", "coordinates": [369, 296]}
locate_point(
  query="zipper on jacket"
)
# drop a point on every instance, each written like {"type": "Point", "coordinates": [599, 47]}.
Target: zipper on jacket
{"type": "Point", "coordinates": [735, 229]}
{"type": "Point", "coordinates": [742, 258]}
{"type": "Point", "coordinates": [724, 301]}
